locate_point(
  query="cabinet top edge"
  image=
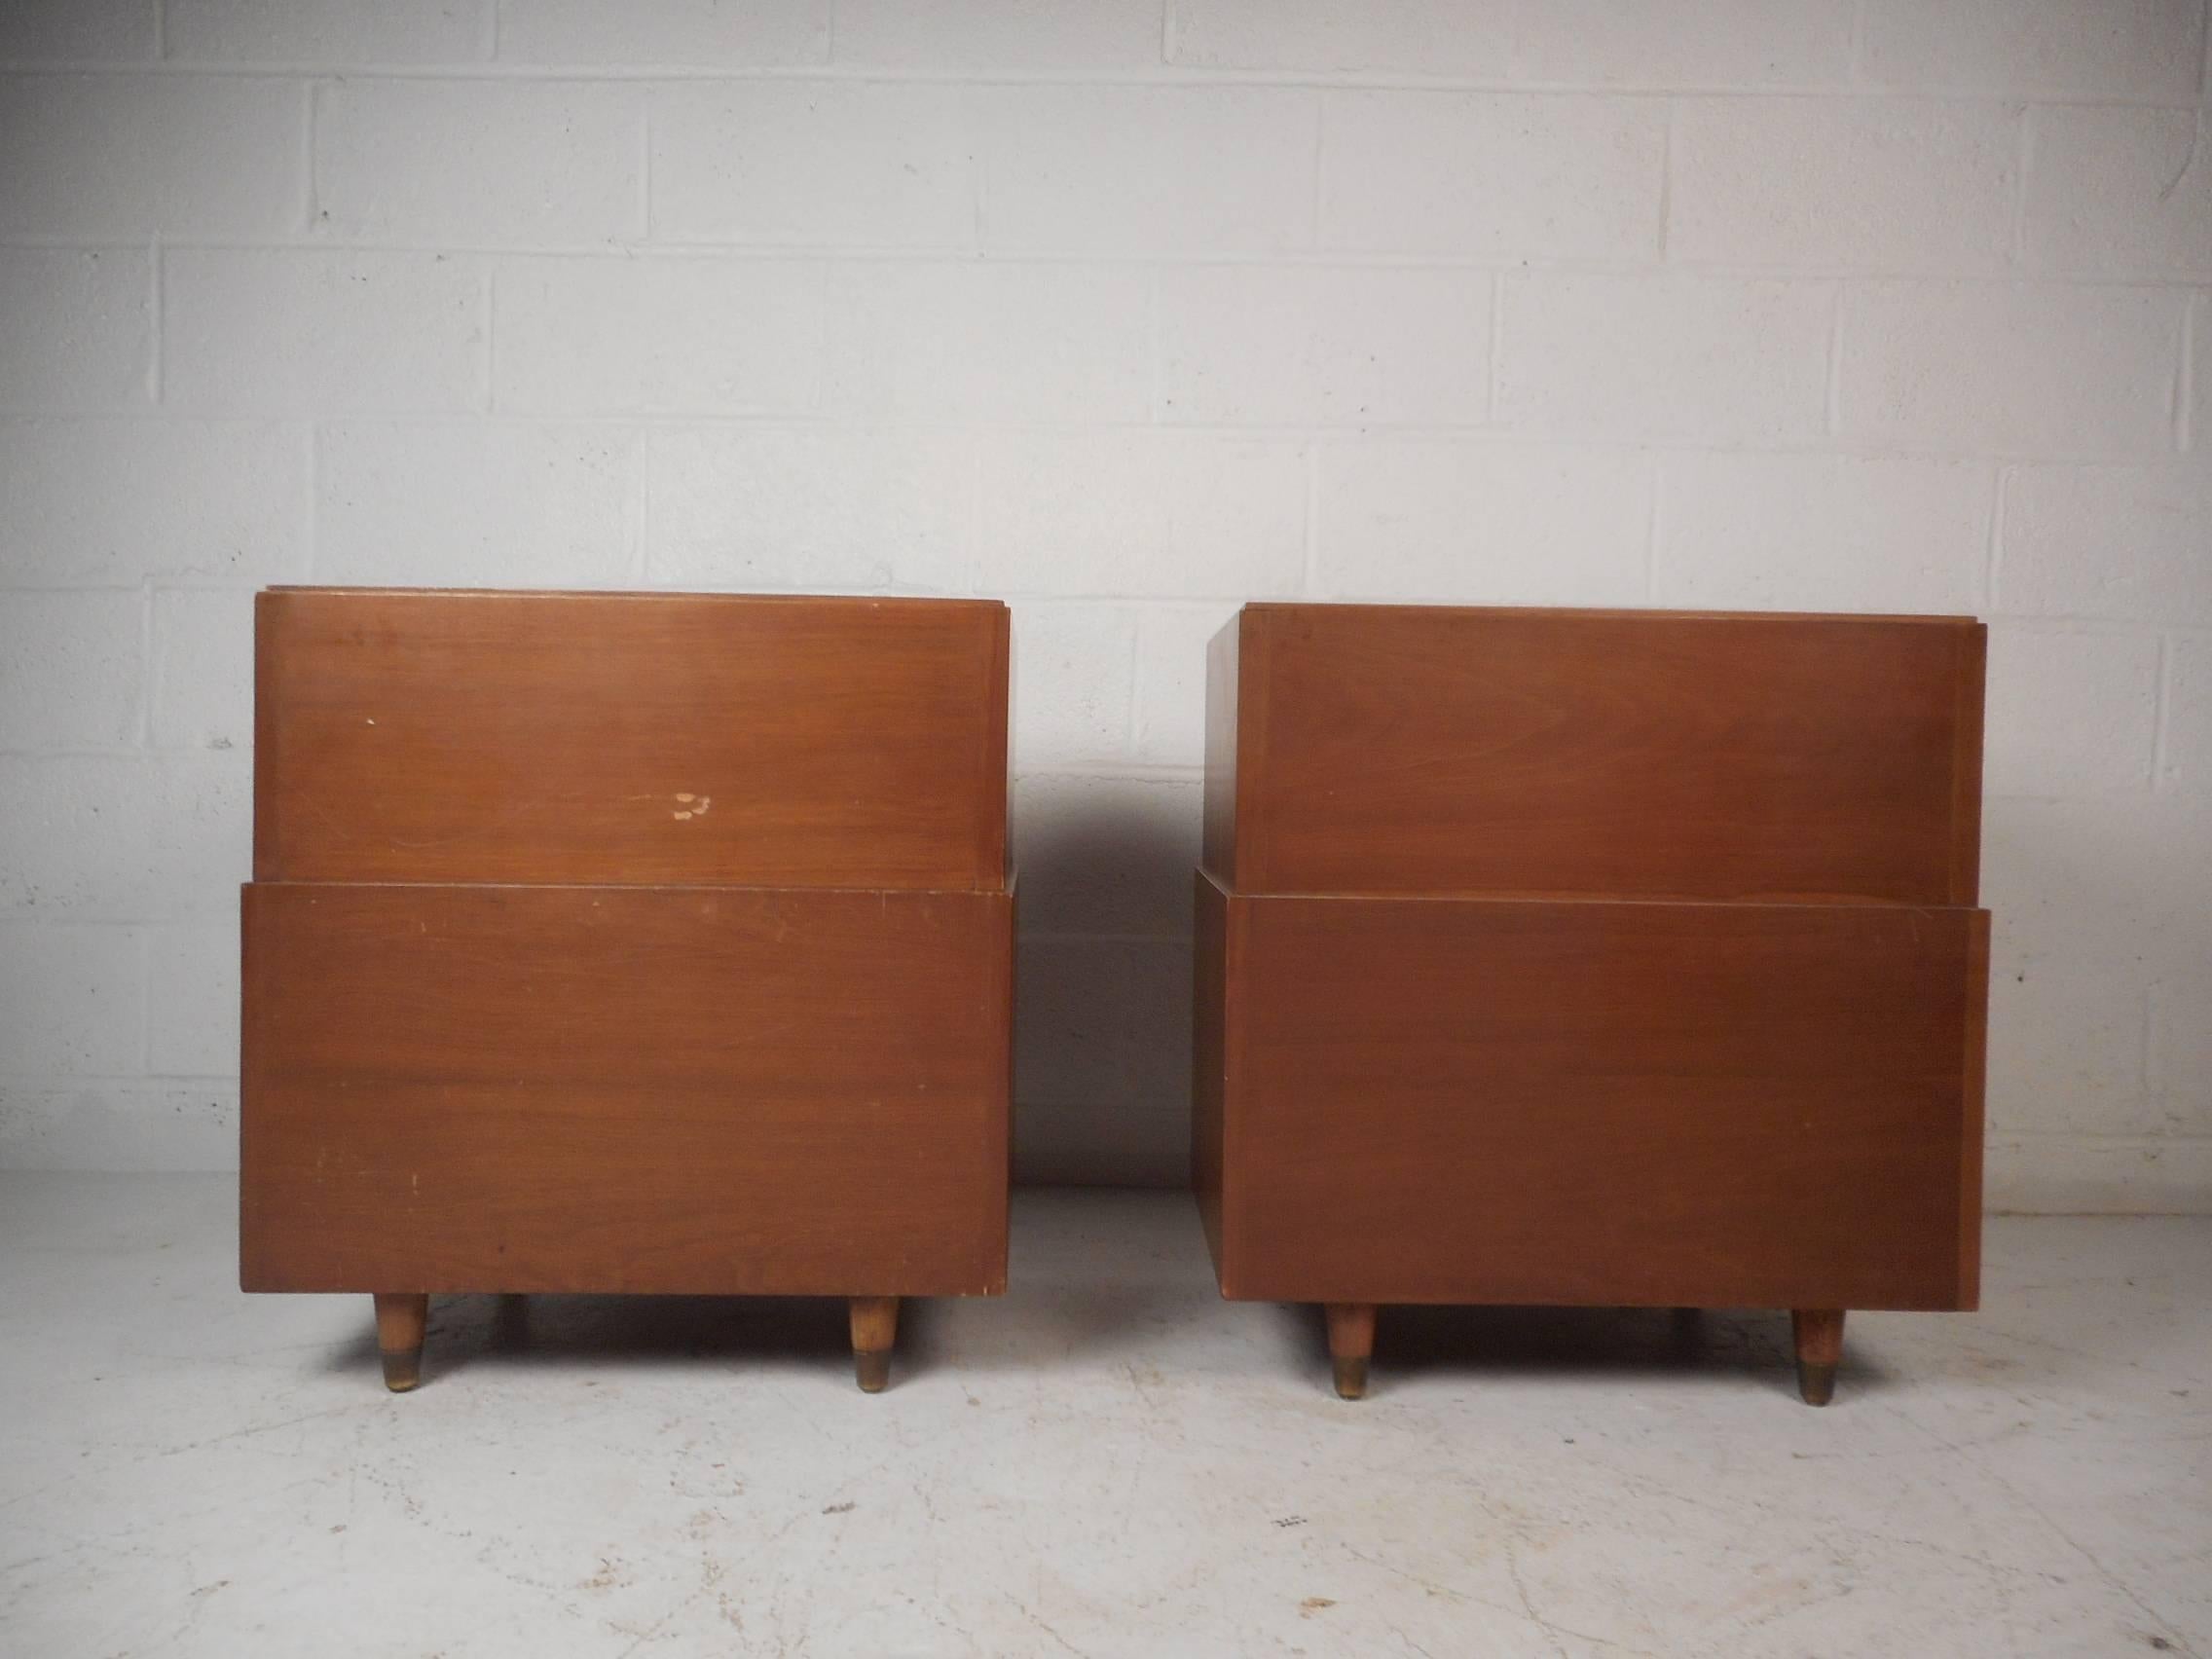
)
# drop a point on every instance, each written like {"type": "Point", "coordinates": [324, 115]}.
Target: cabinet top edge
{"type": "Point", "coordinates": [1597, 612]}
{"type": "Point", "coordinates": [695, 888]}
{"type": "Point", "coordinates": [859, 601]}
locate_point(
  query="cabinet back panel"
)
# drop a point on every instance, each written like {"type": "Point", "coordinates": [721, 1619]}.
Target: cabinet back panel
{"type": "Point", "coordinates": [1652, 754]}
{"type": "Point", "coordinates": [485, 736]}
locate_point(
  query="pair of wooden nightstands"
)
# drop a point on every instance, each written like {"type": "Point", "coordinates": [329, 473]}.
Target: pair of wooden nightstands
{"type": "Point", "coordinates": [664, 944]}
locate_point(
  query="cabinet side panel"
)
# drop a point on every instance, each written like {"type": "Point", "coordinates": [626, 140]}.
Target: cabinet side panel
{"type": "Point", "coordinates": [268, 636]}
{"type": "Point", "coordinates": [1209, 1058]}
{"type": "Point", "coordinates": [1712, 1105]}
{"type": "Point", "coordinates": [1000, 931]}
{"type": "Point", "coordinates": [1218, 848]}
{"type": "Point", "coordinates": [994, 836]}
{"type": "Point", "coordinates": [673, 738]}
{"type": "Point", "coordinates": [1966, 768]}
{"type": "Point", "coordinates": [1973, 1129]}
{"type": "Point", "coordinates": [1413, 749]}
{"type": "Point", "coordinates": [621, 1089]}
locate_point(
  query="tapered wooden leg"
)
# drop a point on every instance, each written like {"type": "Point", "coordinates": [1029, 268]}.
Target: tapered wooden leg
{"type": "Point", "coordinates": [1819, 1333]}
{"type": "Point", "coordinates": [1351, 1339]}
{"type": "Point", "coordinates": [400, 1317]}
{"type": "Point", "coordinates": [876, 1327]}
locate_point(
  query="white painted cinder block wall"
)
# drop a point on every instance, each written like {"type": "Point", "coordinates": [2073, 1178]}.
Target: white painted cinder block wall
{"type": "Point", "coordinates": [1126, 314]}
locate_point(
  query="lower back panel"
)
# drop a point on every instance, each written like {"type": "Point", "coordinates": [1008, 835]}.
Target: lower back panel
{"type": "Point", "coordinates": [733, 1091]}
{"type": "Point", "coordinates": [1590, 1102]}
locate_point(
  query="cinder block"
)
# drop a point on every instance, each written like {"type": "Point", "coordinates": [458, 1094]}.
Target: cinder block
{"type": "Point", "coordinates": [2127, 49]}
{"type": "Point", "coordinates": [2128, 542]}
{"type": "Point", "coordinates": [76, 32]}
{"type": "Point", "coordinates": [119, 1127]}
{"type": "Point", "coordinates": [1687, 43]}
{"type": "Point", "coordinates": [1132, 170]}
{"type": "Point", "coordinates": [2185, 766]}
{"type": "Point", "coordinates": [192, 1001]}
{"type": "Point", "coordinates": [479, 164]}
{"type": "Point", "coordinates": [328, 32]}
{"type": "Point", "coordinates": [203, 669]}
{"type": "Point", "coordinates": [72, 670]}
{"type": "Point", "coordinates": [124, 838]}
{"type": "Point", "coordinates": [818, 163]}
{"type": "Point", "coordinates": [1312, 346]}
{"type": "Point", "coordinates": [1106, 854]}
{"type": "Point", "coordinates": [2181, 1054]}
{"type": "Point", "coordinates": [1159, 515]}
{"type": "Point", "coordinates": [2198, 415]}
{"type": "Point", "coordinates": [131, 156]}
{"type": "Point", "coordinates": [2116, 192]}
{"type": "Point", "coordinates": [1171, 682]}
{"type": "Point", "coordinates": [76, 332]}
{"type": "Point", "coordinates": [2066, 1041]}
{"type": "Point", "coordinates": [660, 335]}
{"type": "Point", "coordinates": [678, 34]}
{"type": "Point", "coordinates": [810, 509]}
{"type": "Point", "coordinates": [72, 1000]}
{"type": "Point", "coordinates": [2071, 716]}
{"type": "Point", "coordinates": [1823, 533]}
{"type": "Point", "coordinates": [1475, 522]}
{"type": "Point", "coordinates": [979, 36]}
{"type": "Point", "coordinates": [1493, 176]}
{"type": "Point", "coordinates": [1102, 1059]}
{"type": "Point", "coordinates": [100, 501]}
{"type": "Point", "coordinates": [476, 504]}
{"type": "Point", "coordinates": [1889, 184]}
{"type": "Point", "coordinates": [2095, 881]}
{"type": "Point", "coordinates": [1120, 1144]}
{"type": "Point", "coordinates": [1021, 342]}
{"type": "Point", "coordinates": [290, 332]}
{"type": "Point", "coordinates": [1073, 665]}
{"type": "Point", "coordinates": [2014, 369]}
{"type": "Point", "coordinates": [1407, 37]}
{"type": "Point", "coordinates": [1675, 358]}
{"type": "Point", "coordinates": [2097, 1174]}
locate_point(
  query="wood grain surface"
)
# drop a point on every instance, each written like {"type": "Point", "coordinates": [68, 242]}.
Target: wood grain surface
{"type": "Point", "coordinates": [1211, 978]}
{"type": "Point", "coordinates": [1595, 1102]}
{"type": "Point", "coordinates": [1396, 749]}
{"type": "Point", "coordinates": [648, 738]}
{"type": "Point", "coordinates": [703, 1089]}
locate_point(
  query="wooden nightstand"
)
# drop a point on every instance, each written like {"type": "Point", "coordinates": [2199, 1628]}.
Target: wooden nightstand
{"type": "Point", "coordinates": [653, 943]}
{"type": "Point", "coordinates": [1620, 958]}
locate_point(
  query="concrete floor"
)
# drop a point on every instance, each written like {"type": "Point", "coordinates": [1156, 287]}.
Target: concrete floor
{"type": "Point", "coordinates": [1110, 1461]}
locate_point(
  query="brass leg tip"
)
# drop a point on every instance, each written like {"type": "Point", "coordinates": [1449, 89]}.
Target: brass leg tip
{"type": "Point", "coordinates": [1816, 1383]}
{"type": "Point", "coordinates": [1351, 1379]}
{"type": "Point", "coordinates": [873, 1368]}
{"type": "Point", "coordinates": [402, 1372]}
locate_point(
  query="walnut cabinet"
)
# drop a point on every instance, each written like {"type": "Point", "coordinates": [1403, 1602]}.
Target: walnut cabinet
{"type": "Point", "coordinates": [1592, 958]}
{"type": "Point", "coordinates": [626, 942]}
